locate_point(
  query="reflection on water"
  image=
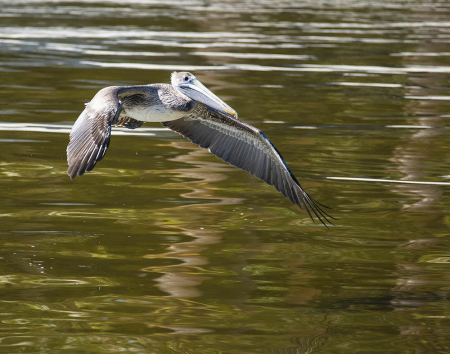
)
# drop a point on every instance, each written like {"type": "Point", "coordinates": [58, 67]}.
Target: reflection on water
{"type": "Point", "coordinates": [182, 279]}
{"type": "Point", "coordinates": [163, 247]}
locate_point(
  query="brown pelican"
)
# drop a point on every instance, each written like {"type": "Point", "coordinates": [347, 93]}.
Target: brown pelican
{"type": "Point", "coordinates": [190, 109]}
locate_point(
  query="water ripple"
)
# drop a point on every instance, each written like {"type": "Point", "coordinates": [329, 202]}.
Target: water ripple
{"type": "Point", "coordinates": [299, 68]}
{"type": "Point", "coordinates": [387, 181]}
{"type": "Point", "coordinates": [65, 129]}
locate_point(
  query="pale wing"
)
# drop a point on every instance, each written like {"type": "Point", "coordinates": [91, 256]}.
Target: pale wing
{"type": "Point", "coordinates": [90, 135]}
{"type": "Point", "coordinates": [248, 148]}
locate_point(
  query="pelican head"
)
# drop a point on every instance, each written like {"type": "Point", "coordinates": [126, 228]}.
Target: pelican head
{"type": "Point", "coordinates": [190, 86]}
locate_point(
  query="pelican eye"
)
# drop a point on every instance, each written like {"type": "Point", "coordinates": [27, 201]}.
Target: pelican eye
{"type": "Point", "coordinates": [186, 78]}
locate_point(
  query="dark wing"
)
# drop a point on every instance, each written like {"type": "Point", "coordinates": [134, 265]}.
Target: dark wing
{"type": "Point", "coordinates": [248, 148]}
{"type": "Point", "coordinates": [91, 133]}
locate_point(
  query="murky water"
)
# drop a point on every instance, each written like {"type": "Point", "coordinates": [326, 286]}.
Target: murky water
{"type": "Point", "coordinates": [164, 248]}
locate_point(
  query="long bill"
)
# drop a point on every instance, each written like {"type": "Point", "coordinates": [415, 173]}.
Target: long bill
{"type": "Point", "coordinates": [196, 91]}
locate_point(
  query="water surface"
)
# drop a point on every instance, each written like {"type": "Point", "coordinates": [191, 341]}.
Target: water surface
{"type": "Point", "coordinates": [164, 248]}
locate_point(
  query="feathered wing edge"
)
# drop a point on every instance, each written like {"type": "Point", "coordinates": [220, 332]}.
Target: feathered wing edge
{"type": "Point", "coordinates": [307, 200]}
{"type": "Point", "coordinates": [91, 133]}
{"type": "Point", "coordinates": [89, 140]}
{"type": "Point", "coordinates": [249, 149]}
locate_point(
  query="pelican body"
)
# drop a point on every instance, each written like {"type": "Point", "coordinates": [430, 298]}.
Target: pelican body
{"type": "Point", "coordinates": [187, 107]}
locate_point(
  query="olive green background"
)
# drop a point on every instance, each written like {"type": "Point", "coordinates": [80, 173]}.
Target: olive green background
{"type": "Point", "coordinates": [164, 248]}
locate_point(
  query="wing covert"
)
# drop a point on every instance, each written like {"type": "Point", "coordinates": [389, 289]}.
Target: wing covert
{"type": "Point", "coordinates": [247, 148]}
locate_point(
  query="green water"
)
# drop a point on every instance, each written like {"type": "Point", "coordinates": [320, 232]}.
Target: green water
{"type": "Point", "coordinates": [164, 248]}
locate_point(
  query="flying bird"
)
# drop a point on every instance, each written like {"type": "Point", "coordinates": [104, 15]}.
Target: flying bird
{"type": "Point", "coordinates": [187, 107]}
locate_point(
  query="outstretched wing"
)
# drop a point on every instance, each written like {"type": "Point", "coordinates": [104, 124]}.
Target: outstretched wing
{"type": "Point", "coordinates": [247, 148]}
{"type": "Point", "coordinates": [91, 133]}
